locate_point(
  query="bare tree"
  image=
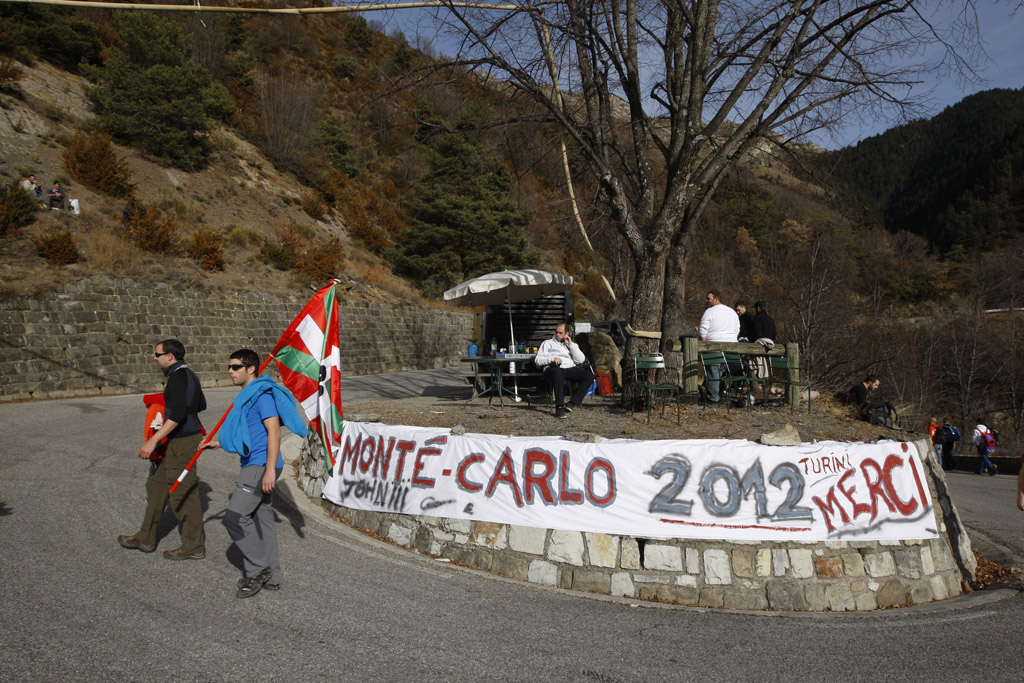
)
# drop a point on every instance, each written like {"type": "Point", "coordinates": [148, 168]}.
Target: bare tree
{"type": "Point", "coordinates": [963, 363]}
{"type": "Point", "coordinates": [667, 94]}
{"type": "Point", "coordinates": [808, 269]}
{"type": "Point", "coordinates": [287, 111]}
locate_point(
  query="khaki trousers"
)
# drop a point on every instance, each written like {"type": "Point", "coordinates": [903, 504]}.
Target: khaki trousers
{"type": "Point", "coordinates": [184, 501]}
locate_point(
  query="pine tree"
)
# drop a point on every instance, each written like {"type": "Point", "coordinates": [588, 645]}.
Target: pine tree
{"type": "Point", "coordinates": [464, 220]}
{"type": "Point", "coordinates": [151, 94]}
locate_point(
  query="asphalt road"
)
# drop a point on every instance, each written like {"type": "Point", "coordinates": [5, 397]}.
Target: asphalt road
{"type": "Point", "coordinates": [76, 606]}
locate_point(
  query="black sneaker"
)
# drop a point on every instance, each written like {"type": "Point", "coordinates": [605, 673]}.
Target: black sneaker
{"type": "Point", "coordinates": [251, 585]}
{"type": "Point", "coordinates": [266, 586]}
{"type": "Point", "coordinates": [568, 407]}
{"type": "Point", "coordinates": [560, 413]}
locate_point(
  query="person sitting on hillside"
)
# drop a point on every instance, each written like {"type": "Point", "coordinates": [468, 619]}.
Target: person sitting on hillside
{"type": "Point", "coordinates": [857, 395]}
{"type": "Point", "coordinates": [764, 324]}
{"type": "Point", "coordinates": [560, 358]}
{"type": "Point", "coordinates": [30, 185]}
{"type": "Point", "coordinates": [763, 332]}
{"type": "Point", "coordinates": [57, 196]}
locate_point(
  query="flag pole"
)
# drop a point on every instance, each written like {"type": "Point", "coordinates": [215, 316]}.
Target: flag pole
{"type": "Point", "coordinates": [216, 428]}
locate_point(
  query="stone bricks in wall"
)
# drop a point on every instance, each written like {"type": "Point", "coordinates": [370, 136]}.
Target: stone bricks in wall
{"type": "Point", "coordinates": [96, 336]}
{"type": "Point", "coordinates": [836, 575]}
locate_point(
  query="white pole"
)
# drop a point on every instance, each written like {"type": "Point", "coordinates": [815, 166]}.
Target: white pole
{"type": "Point", "coordinates": [512, 343]}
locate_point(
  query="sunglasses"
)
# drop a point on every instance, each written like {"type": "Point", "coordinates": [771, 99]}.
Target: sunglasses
{"type": "Point", "coordinates": [157, 355]}
{"type": "Point", "coordinates": [236, 366]}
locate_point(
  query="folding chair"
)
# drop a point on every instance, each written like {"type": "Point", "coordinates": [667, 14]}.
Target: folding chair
{"type": "Point", "coordinates": [781, 373]}
{"type": "Point", "coordinates": [732, 376]}
{"type": "Point", "coordinates": [643, 366]}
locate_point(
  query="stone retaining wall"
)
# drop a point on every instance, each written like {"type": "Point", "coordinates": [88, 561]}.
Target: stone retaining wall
{"type": "Point", "coordinates": [822, 576]}
{"type": "Point", "coordinates": [96, 336]}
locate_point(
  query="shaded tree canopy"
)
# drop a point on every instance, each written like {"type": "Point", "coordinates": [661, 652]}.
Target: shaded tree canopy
{"type": "Point", "coordinates": [666, 95]}
{"type": "Point", "coordinates": [150, 93]}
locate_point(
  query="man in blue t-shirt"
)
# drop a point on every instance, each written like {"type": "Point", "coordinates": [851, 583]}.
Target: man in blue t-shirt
{"type": "Point", "coordinates": [253, 430]}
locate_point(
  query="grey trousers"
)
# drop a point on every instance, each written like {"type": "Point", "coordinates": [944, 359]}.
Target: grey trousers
{"type": "Point", "coordinates": [250, 522]}
{"type": "Point", "coordinates": [714, 383]}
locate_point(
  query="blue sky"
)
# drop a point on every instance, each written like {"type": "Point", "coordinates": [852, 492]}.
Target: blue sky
{"type": "Point", "coordinates": [1002, 65]}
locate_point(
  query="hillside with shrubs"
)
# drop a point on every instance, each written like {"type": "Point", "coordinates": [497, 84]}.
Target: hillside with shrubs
{"type": "Point", "coordinates": [274, 152]}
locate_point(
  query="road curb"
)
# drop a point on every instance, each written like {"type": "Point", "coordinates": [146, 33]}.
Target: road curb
{"type": "Point", "coordinates": [303, 504]}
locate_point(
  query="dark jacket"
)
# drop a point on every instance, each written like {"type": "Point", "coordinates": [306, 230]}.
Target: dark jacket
{"type": "Point", "coordinates": [856, 395]}
{"type": "Point", "coordinates": [747, 326]}
{"type": "Point", "coordinates": [183, 400]}
{"type": "Point", "coordinates": [764, 327]}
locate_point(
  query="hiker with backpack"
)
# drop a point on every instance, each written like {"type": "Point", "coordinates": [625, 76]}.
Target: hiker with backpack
{"type": "Point", "coordinates": [947, 437]}
{"type": "Point", "coordinates": [985, 443]}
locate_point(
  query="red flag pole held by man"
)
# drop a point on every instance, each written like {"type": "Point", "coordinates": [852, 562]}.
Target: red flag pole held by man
{"type": "Point", "coordinates": [308, 356]}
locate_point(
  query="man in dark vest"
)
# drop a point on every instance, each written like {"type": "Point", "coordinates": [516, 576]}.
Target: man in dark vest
{"type": "Point", "coordinates": [183, 401]}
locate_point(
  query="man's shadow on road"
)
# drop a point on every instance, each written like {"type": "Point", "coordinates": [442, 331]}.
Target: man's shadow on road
{"type": "Point", "coordinates": [284, 507]}
{"type": "Point", "coordinates": [169, 522]}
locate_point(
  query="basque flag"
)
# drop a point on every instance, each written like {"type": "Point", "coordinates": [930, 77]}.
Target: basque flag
{"type": "Point", "coordinates": [309, 359]}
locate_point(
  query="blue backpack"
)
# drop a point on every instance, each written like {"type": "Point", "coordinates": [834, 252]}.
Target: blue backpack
{"type": "Point", "coordinates": [952, 434]}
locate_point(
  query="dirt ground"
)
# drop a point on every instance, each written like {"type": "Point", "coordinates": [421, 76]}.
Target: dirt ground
{"type": "Point", "coordinates": [604, 417]}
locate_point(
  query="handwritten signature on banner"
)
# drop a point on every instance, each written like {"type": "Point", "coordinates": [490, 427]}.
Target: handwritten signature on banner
{"type": "Point", "coordinates": [730, 489]}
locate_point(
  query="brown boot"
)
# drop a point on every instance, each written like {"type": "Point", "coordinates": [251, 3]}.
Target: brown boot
{"type": "Point", "coordinates": [132, 543]}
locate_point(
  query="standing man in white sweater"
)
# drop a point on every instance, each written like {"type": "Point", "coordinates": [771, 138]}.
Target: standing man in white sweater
{"type": "Point", "coordinates": [718, 324]}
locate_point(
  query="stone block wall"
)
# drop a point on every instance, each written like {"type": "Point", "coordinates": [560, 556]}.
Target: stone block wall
{"type": "Point", "coordinates": [838, 576]}
{"type": "Point", "coordinates": [96, 336]}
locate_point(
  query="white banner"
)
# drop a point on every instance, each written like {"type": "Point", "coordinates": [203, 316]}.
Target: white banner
{"type": "Point", "coordinates": [733, 490]}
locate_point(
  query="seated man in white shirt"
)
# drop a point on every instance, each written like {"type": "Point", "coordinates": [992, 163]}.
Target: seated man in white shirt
{"type": "Point", "coordinates": [560, 358]}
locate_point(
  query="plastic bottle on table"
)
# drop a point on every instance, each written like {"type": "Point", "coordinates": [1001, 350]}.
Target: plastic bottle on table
{"type": "Point", "coordinates": [494, 346]}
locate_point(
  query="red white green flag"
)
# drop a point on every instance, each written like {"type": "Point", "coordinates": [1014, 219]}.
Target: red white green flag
{"type": "Point", "coordinates": [309, 358]}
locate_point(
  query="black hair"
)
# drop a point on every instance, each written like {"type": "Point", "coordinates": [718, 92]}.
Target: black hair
{"type": "Point", "coordinates": [173, 347]}
{"type": "Point", "coordinates": [248, 357]}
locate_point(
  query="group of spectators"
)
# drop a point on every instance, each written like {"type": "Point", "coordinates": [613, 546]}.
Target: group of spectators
{"type": "Point", "coordinates": [56, 198]}
{"type": "Point", "coordinates": [723, 324]}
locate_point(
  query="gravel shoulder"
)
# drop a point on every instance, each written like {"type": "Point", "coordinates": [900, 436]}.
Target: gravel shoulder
{"type": "Point", "coordinates": [604, 417]}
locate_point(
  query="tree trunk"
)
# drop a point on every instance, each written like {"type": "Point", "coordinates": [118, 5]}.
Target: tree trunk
{"type": "Point", "coordinates": [672, 317]}
{"type": "Point", "coordinates": [648, 297]}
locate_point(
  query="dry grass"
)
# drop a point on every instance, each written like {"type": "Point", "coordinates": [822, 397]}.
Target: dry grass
{"type": "Point", "coordinates": [365, 267]}
{"type": "Point", "coordinates": [110, 254]}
